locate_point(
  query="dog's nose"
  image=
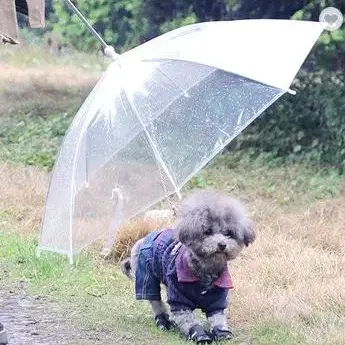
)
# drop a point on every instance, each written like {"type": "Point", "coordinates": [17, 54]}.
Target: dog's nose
{"type": "Point", "coordinates": [221, 245]}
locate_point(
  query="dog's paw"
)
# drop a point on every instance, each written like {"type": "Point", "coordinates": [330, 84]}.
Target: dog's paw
{"type": "Point", "coordinates": [198, 335]}
{"type": "Point", "coordinates": [163, 322]}
{"type": "Point", "coordinates": [221, 334]}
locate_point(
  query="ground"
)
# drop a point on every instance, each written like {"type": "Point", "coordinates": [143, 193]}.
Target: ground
{"type": "Point", "coordinates": [38, 320]}
{"type": "Point", "coordinates": [289, 285]}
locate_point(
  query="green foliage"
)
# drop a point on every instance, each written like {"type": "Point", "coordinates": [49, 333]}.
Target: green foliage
{"type": "Point", "coordinates": [30, 37]}
{"type": "Point", "coordinates": [309, 126]}
{"type": "Point", "coordinates": [329, 52]}
{"type": "Point", "coordinates": [117, 22]}
{"type": "Point", "coordinates": [287, 184]}
{"type": "Point", "coordinates": [88, 287]}
{"type": "Point", "coordinates": [33, 141]}
{"type": "Point", "coordinates": [23, 252]}
{"type": "Point", "coordinates": [274, 333]}
{"type": "Point", "coordinates": [178, 22]}
{"type": "Point", "coordinates": [163, 16]}
{"type": "Point", "coordinates": [200, 181]}
{"type": "Point", "coordinates": [127, 23]}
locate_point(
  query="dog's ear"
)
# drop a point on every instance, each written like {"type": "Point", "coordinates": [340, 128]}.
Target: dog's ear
{"type": "Point", "coordinates": [248, 234]}
{"type": "Point", "coordinates": [191, 224]}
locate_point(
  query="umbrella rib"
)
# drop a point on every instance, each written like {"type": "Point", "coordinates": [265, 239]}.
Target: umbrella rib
{"type": "Point", "coordinates": [166, 76]}
{"type": "Point", "coordinates": [167, 105]}
{"type": "Point", "coordinates": [229, 139]}
{"type": "Point", "coordinates": [153, 145]}
{"type": "Point", "coordinates": [157, 116]}
{"type": "Point", "coordinates": [239, 129]}
{"type": "Point", "coordinates": [146, 59]}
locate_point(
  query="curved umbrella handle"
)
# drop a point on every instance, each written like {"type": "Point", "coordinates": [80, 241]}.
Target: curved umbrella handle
{"type": "Point", "coordinates": [109, 244]}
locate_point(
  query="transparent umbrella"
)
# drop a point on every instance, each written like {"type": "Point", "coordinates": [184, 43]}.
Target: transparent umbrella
{"type": "Point", "coordinates": [159, 114]}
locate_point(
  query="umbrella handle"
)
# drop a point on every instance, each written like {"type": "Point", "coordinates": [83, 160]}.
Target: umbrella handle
{"type": "Point", "coordinates": [109, 244]}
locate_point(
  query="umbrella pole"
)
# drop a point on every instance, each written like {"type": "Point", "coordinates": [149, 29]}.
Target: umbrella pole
{"type": "Point", "coordinates": [108, 50]}
{"type": "Point", "coordinates": [163, 169]}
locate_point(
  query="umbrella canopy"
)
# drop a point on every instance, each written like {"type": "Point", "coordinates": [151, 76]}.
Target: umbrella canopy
{"type": "Point", "coordinates": [160, 113]}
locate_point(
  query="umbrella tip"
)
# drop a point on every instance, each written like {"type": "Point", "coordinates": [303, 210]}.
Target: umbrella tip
{"type": "Point", "coordinates": [109, 51]}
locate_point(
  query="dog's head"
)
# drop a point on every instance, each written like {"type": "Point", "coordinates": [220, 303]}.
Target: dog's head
{"type": "Point", "coordinates": [213, 226]}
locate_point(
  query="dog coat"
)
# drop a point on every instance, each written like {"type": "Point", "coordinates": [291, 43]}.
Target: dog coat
{"type": "Point", "coordinates": [162, 259]}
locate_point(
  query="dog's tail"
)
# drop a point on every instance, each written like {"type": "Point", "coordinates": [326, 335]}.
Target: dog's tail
{"type": "Point", "coordinates": [126, 267]}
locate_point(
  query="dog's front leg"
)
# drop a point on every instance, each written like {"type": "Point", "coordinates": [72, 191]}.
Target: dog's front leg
{"type": "Point", "coordinates": [219, 326]}
{"type": "Point", "coordinates": [161, 316]}
{"type": "Point", "coordinates": [190, 327]}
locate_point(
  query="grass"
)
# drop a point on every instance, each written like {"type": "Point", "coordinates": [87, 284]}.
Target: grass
{"type": "Point", "coordinates": [288, 184]}
{"type": "Point", "coordinates": [26, 56]}
{"type": "Point", "coordinates": [289, 285]}
{"type": "Point", "coordinates": [39, 95]}
{"type": "Point", "coordinates": [90, 286]}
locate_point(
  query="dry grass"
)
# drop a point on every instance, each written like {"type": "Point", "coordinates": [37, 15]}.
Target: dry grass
{"type": "Point", "coordinates": [59, 77]}
{"type": "Point", "coordinates": [37, 55]}
{"type": "Point", "coordinates": [32, 71]}
{"type": "Point", "coordinates": [132, 232]}
{"type": "Point", "coordinates": [22, 192]}
{"type": "Point", "coordinates": [35, 83]}
{"type": "Point", "coordinates": [294, 274]}
{"type": "Point", "coordinates": [43, 90]}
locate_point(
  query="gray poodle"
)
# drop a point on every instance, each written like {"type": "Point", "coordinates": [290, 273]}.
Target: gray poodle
{"type": "Point", "coordinates": [190, 259]}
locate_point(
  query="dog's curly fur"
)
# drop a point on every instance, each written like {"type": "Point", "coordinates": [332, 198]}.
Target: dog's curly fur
{"type": "Point", "coordinates": [215, 228]}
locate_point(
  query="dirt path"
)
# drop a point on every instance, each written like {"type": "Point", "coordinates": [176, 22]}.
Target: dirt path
{"type": "Point", "coordinates": [35, 320]}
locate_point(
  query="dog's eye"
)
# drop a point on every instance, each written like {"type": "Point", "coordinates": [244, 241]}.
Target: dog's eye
{"type": "Point", "coordinates": [208, 232]}
{"type": "Point", "coordinates": [229, 233]}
